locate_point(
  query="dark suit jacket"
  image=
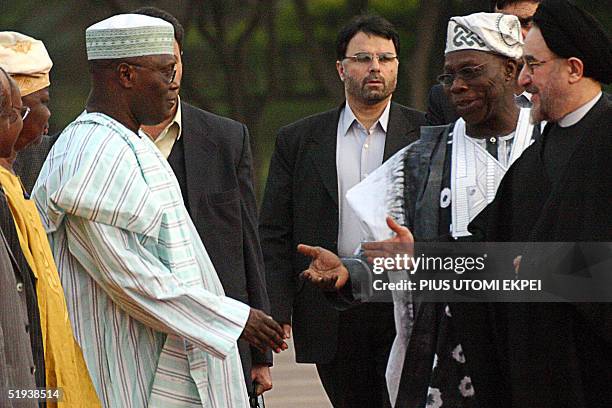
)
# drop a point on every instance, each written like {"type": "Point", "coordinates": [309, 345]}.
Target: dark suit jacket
{"type": "Point", "coordinates": [301, 206]}
{"type": "Point", "coordinates": [29, 161]}
{"type": "Point", "coordinates": [216, 177]}
{"type": "Point", "coordinates": [553, 355]}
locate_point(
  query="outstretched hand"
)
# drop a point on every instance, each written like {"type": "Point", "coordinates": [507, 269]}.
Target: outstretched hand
{"type": "Point", "coordinates": [326, 270]}
{"type": "Point", "coordinates": [402, 243]}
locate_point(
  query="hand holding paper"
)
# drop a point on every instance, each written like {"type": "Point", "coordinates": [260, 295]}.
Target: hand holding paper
{"type": "Point", "coordinates": [402, 243]}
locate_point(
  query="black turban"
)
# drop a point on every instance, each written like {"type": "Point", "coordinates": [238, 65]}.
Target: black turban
{"type": "Point", "coordinates": [572, 32]}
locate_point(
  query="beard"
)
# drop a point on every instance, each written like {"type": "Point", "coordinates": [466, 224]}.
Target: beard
{"type": "Point", "coordinates": [550, 102]}
{"type": "Point", "coordinates": [369, 94]}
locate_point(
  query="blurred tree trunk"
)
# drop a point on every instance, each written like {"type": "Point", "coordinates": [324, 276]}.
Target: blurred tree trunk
{"type": "Point", "coordinates": [322, 68]}
{"type": "Point", "coordinates": [429, 16]}
{"type": "Point", "coordinates": [212, 20]}
{"type": "Point", "coordinates": [273, 54]}
{"type": "Point", "coordinates": [216, 21]}
{"type": "Point", "coordinates": [475, 6]}
{"type": "Point", "coordinates": [355, 7]}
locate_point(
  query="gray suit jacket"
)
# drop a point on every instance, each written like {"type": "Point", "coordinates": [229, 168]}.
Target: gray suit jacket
{"type": "Point", "coordinates": [16, 362]}
{"type": "Point", "coordinates": [25, 278]}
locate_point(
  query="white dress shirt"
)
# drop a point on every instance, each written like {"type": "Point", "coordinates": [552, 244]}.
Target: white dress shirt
{"type": "Point", "coordinates": [359, 151]}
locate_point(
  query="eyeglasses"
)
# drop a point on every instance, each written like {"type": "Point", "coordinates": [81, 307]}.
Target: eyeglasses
{"type": "Point", "coordinates": [14, 113]}
{"type": "Point", "coordinates": [166, 74]}
{"type": "Point", "coordinates": [532, 63]}
{"type": "Point", "coordinates": [466, 74]}
{"type": "Point", "coordinates": [366, 58]}
{"type": "Point", "coordinates": [24, 112]}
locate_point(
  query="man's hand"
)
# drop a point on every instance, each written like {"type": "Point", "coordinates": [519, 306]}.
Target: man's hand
{"type": "Point", "coordinates": [260, 373]}
{"type": "Point", "coordinates": [287, 330]}
{"type": "Point", "coordinates": [517, 263]}
{"type": "Point", "coordinates": [263, 332]}
{"type": "Point", "coordinates": [402, 243]}
{"type": "Point", "coordinates": [326, 270]}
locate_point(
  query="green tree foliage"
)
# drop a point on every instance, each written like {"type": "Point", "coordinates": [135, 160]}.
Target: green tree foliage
{"type": "Point", "coordinates": [263, 62]}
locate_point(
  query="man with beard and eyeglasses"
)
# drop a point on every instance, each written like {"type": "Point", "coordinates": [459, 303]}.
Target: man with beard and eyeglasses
{"type": "Point", "coordinates": [557, 355]}
{"type": "Point", "coordinates": [315, 162]}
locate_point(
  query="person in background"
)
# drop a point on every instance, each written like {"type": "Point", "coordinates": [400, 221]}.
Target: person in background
{"type": "Point", "coordinates": [211, 158]}
{"type": "Point", "coordinates": [315, 161]}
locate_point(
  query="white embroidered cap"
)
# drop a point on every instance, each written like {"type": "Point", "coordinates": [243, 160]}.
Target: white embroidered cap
{"type": "Point", "coordinates": [490, 32]}
{"type": "Point", "coordinates": [129, 35]}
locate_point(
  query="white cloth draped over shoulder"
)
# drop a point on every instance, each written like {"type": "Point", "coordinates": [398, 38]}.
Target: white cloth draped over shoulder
{"type": "Point", "coordinates": [144, 299]}
{"type": "Point", "coordinates": [382, 192]}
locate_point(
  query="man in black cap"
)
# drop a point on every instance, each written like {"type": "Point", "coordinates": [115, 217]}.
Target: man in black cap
{"type": "Point", "coordinates": [558, 354]}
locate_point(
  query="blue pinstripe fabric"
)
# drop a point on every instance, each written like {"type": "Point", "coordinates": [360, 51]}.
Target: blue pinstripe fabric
{"type": "Point", "coordinates": [145, 301]}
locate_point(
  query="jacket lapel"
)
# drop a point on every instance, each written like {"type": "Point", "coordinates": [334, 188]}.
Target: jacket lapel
{"type": "Point", "coordinates": [199, 152]}
{"type": "Point", "coordinates": [399, 130]}
{"type": "Point", "coordinates": [324, 157]}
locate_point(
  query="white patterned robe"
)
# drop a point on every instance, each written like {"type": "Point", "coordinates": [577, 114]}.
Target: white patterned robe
{"type": "Point", "coordinates": [144, 299]}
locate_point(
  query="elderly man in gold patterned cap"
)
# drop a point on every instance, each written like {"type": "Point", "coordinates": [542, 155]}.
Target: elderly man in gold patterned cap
{"type": "Point", "coordinates": [58, 360]}
{"type": "Point", "coordinates": [26, 60]}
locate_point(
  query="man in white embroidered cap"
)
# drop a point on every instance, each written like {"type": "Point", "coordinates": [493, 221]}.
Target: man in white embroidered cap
{"type": "Point", "coordinates": [433, 188]}
{"type": "Point", "coordinates": [144, 299]}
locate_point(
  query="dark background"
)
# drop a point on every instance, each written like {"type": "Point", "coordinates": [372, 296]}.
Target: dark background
{"type": "Point", "coordinates": [263, 62]}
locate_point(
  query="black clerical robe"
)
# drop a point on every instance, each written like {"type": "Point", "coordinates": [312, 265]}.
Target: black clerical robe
{"type": "Point", "coordinates": [553, 355]}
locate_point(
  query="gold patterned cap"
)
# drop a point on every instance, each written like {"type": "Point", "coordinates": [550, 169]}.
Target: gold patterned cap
{"type": "Point", "coordinates": [26, 60]}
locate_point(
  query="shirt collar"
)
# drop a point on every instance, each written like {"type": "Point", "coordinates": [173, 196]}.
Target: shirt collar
{"type": "Point", "coordinates": [347, 118]}
{"type": "Point", "coordinates": [177, 119]}
{"type": "Point", "coordinates": [576, 116]}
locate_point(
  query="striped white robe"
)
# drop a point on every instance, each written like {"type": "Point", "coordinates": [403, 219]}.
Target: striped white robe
{"type": "Point", "coordinates": [144, 299]}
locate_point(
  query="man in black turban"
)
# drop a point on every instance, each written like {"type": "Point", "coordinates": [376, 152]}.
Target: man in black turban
{"type": "Point", "coordinates": [559, 355]}
{"type": "Point", "coordinates": [572, 32]}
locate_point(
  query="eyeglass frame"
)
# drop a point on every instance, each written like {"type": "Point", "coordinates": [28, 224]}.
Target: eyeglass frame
{"type": "Point", "coordinates": [534, 63]}
{"type": "Point", "coordinates": [170, 80]}
{"type": "Point", "coordinates": [24, 111]}
{"type": "Point", "coordinates": [477, 71]}
{"type": "Point", "coordinates": [386, 55]}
